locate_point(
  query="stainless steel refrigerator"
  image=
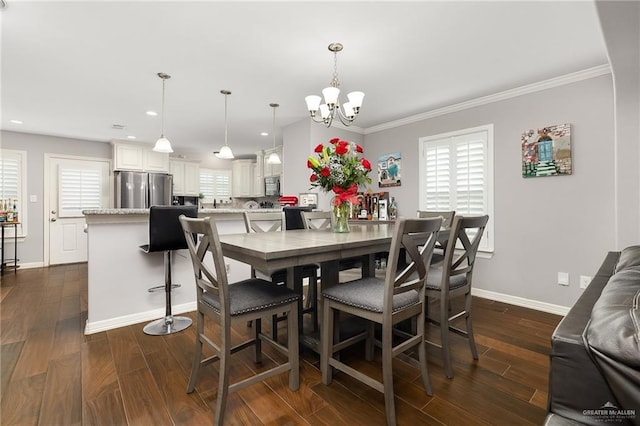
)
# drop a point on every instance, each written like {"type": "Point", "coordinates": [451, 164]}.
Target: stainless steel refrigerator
{"type": "Point", "coordinates": [140, 190]}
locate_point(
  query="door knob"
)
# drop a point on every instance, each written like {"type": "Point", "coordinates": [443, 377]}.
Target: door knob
{"type": "Point", "coordinates": [53, 219]}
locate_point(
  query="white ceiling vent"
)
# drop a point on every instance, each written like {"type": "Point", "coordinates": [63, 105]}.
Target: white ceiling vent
{"type": "Point", "coordinates": [118, 126]}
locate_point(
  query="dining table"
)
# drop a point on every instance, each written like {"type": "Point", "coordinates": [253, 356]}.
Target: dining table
{"type": "Point", "coordinates": [293, 249]}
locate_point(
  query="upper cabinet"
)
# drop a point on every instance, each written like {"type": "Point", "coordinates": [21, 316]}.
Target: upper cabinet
{"type": "Point", "coordinates": [186, 177]}
{"type": "Point", "coordinates": [258, 175]}
{"type": "Point", "coordinates": [272, 169]}
{"type": "Point", "coordinates": [138, 157]}
{"type": "Point", "coordinates": [242, 182]}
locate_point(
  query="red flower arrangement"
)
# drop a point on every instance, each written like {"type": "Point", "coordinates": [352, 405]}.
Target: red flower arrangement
{"type": "Point", "coordinates": [338, 168]}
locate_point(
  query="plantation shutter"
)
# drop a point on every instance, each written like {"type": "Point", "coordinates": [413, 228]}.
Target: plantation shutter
{"type": "Point", "coordinates": [79, 189]}
{"type": "Point", "coordinates": [12, 186]}
{"type": "Point", "coordinates": [215, 184]}
{"type": "Point", "coordinates": [456, 174]}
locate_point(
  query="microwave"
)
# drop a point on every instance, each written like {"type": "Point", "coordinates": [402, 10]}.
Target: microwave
{"type": "Point", "coordinates": [272, 186]}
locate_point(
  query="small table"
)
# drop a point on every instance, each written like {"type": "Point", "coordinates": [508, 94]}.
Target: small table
{"type": "Point", "coordinates": [3, 261]}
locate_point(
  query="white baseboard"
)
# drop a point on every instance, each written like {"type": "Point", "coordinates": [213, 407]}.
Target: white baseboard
{"type": "Point", "coordinates": [110, 324]}
{"type": "Point", "coordinates": [31, 265]}
{"type": "Point", "coordinates": [520, 301]}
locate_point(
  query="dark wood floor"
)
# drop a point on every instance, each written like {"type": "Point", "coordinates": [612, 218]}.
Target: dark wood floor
{"type": "Point", "coordinates": [52, 374]}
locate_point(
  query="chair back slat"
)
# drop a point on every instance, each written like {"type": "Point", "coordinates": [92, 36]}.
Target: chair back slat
{"type": "Point", "coordinates": [417, 237]}
{"type": "Point", "coordinates": [202, 238]}
{"type": "Point", "coordinates": [446, 215]}
{"type": "Point", "coordinates": [468, 231]}
{"type": "Point", "coordinates": [316, 220]}
{"type": "Point", "coordinates": [264, 221]}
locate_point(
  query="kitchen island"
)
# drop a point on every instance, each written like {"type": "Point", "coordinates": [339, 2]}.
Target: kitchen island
{"type": "Point", "coordinates": [120, 273]}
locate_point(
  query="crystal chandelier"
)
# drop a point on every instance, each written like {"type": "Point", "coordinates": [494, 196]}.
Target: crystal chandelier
{"type": "Point", "coordinates": [331, 108]}
{"type": "Point", "coordinates": [225, 152]}
{"type": "Point", "coordinates": [163, 144]}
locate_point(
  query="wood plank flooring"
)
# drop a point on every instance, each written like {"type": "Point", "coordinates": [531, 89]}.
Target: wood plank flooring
{"type": "Point", "coordinates": [52, 374]}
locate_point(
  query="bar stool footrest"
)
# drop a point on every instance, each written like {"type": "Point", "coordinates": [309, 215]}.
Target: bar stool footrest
{"type": "Point", "coordinates": [162, 287]}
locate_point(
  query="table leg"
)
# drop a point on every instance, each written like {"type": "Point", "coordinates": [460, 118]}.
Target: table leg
{"type": "Point", "coordinates": [15, 248]}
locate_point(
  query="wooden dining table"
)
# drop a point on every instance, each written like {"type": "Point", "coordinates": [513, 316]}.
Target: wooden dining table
{"type": "Point", "coordinates": [293, 249]}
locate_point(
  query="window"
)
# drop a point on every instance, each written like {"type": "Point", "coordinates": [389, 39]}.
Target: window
{"type": "Point", "coordinates": [215, 184]}
{"type": "Point", "coordinates": [80, 189]}
{"type": "Point", "coordinates": [13, 185]}
{"type": "Point", "coordinates": [456, 173]}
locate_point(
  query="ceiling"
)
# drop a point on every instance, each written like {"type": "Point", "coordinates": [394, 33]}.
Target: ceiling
{"type": "Point", "coordinates": [75, 69]}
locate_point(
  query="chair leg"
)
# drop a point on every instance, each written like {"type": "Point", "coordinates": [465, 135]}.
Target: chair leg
{"type": "Point", "coordinates": [444, 337]}
{"type": "Point", "coordinates": [223, 375]}
{"type": "Point", "coordinates": [257, 357]}
{"type": "Point", "coordinates": [387, 373]}
{"type": "Point", "coordinates": [312, 298]}
{"type": "Point", "coordinates": [292, 348]}
{"type": "Point", "coordinates": [422, 354]}
{"type": "Point", "coordinates": [197, 353]}
{"type": "Point", "coordinates": [472, 341]}
{"type": "Point", "coordinates": [370, 342]}
{"type": "Point", "coordinates": [326, 342]}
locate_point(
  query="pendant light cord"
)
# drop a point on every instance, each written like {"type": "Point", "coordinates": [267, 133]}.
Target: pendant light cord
{"type": "Point", "coordinates": [225, 119]}
{"type": "Point", "coordinates": [162, 121]}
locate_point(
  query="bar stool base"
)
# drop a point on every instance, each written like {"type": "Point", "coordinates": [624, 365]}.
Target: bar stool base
{"type": "Point", "coordinates": [167, 325]}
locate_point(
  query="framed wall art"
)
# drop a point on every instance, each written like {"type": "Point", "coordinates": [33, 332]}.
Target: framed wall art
{"type": "Point", "coordinates": [389, 170]}
{"type": "Point", "coordinates": [547, 151]}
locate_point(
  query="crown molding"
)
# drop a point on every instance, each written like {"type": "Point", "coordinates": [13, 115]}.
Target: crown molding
{"type": "Point", "coordinates": [500, 96]}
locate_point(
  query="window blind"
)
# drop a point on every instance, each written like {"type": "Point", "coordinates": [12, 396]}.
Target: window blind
{"type": "Point", "coordinates": [79, 189]}
{"type": "Point", "coordinates": [13, 185]}
{"type": "Point", "coordinates": [457, 174]}
{"type": "Point", "coordinates": [215, 184]}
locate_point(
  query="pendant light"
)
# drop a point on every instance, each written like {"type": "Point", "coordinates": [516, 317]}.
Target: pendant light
{"type": "Point", "coordinates": [225, 152]}
{"type": "Point", "coordinates": [163, 144]}
{"type": "Point", "coordinates": [274, 158]}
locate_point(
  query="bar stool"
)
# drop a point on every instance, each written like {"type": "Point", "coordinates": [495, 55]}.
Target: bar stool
{"type": "Point", "coordinates": [166, 235]}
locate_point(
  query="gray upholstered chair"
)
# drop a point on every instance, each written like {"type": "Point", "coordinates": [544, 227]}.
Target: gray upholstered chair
{"type": "Point", "coordinates": [257, 221]}
{"type": "Point", "coordinates": [453, 278]}
{"type": "Point", "coordinates": [250, 299]}
{"type": "Point", "coordinates": [398, 297]}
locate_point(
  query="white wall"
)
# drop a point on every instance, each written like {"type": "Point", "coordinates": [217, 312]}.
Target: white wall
{"type": "Point", "coordinates": [299, 140]}
{"type": "Point", "coordinates": [620, 23]}
{"type": "Point", "coordinates": [31, 250]}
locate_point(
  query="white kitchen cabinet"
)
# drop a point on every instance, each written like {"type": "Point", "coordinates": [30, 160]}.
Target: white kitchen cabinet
{"type": "Point", "coordinates": [242, 182]}
{"type": "Point", "coordinates": [127, 157]}
{"type": "Point", "coordinates": [155, 161]}
{"type": "Point", "coordinates": [272, 169]}
{"type": "Point", "coordinates": [139, 157]}
{"type": "Point", "coordinates": [258, 175]}
{"type": "Point", "coordinates": [186, 177]}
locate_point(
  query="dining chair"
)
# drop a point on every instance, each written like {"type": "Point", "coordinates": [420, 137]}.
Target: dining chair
{"type": "Point", "coordinates": [447, 217]}
{"type": "Point", "coordinates": [222, 303]}
{"type": "Point", "coordinates": [453, 278]}
{"type": "Point", "coordinates": [397, 297]}
{"type": "Point", "coordinates": [276, 222]}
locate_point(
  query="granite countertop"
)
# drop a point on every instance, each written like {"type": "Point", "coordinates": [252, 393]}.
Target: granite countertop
{"type": "Point", "coordinates": [146, 211]}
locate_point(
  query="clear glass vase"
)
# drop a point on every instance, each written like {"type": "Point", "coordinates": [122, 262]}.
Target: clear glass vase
{"type": "Point", "coordinates": [340, 217]}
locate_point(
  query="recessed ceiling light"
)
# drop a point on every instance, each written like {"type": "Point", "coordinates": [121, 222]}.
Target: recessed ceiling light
{"type": "Point", "coordinates": [264, 134]}
{"type": "Point", "coordinates": [152, 113]}
{"type": "Point", "coordinates": [16, 121]}
{"type": "Point", "coordinates": [131, 137]}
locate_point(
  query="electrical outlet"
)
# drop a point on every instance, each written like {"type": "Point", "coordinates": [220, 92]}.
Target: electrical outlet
{"type": "Point", "coordinates": [584, 281]}
{"type": "Point", "coordinates": [563, 278]}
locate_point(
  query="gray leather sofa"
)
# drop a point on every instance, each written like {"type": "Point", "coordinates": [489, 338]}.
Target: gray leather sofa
{"type": "Point", "coordinates": [595, 350]}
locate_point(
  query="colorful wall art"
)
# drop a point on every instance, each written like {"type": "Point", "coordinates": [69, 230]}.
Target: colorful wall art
{"type": "Point", "coordinates": [389, 170]}
{"type": "Point", "coordinates": [547, 151]}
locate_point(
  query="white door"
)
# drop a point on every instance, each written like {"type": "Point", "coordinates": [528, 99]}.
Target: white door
{"type": "Point", "coordinates": [74, 185]}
